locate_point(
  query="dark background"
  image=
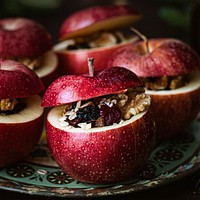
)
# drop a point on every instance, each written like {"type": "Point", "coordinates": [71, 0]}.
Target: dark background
{"type": "Point", "coordinates": [161, 18]}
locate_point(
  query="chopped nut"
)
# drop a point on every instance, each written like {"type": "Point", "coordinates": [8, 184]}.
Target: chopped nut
{"type": "Point", "coordinates": [8, 104]}
{"type": "Point", "coordinates": [177, 82]}
{"type": "Point", "coordinates": [99, 122]}
{"type": "Point", "coordinates": [32, 63]}
{"type": "Point", "coordinates": [165, 82]}
{"type": "Point", "coordinates": [104, 39]}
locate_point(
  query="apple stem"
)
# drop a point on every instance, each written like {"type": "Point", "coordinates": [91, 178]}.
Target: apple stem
{"type": "Point", "coordinates": [143, 37]}
{"type": "Point", "coordinates": [91, 66]}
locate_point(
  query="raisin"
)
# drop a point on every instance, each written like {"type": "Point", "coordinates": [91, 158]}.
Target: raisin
{"type": "Point", "coordinates": [110, 115]}
{"type": "Point", "coordinates": [74, 122]}
{"type": "Point", "coordinates": [83, 45]}
{"type": "Point", "coordinates": [88, 113]}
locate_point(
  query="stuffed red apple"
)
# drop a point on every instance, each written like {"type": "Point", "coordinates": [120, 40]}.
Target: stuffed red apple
{"type": "Point", "coordinates": [100, 129]}
{"type": "Point", "coordinates": [21, 116]}
{"type": "Point", "coordinates": [94, 32]}
{"type": "Point", "coordinates": [28, 42]}
{"type": "Point", "coordinates": [170, 70]}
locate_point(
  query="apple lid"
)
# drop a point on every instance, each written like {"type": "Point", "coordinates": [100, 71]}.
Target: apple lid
{"type": "Point", "coordinates": [93, 19]}
{"type": "Point", "coordinates": [17, 80]}
{"type": "Point", "coordinates": [73, 88]}
{"type": "Point", "coordinates": [164, 57]}
{"type": "Point", "coordinates": [21, 37]}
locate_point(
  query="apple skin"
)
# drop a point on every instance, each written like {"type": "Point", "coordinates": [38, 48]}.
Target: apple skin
{"type": "Point", "coordinates": [174, 113]}
{"type": "Point", "coordinates": [105, 156]}
{"type": "Point", "coordinates": [72, 88]}
{"type": "Point", "coordinates": [166, 57]}
{"type": "Point", "coordinates": [96, 18]}
{"type": "Point", "coordinates": [20, 132]}
{"type": "Point", "coordinates": [18, 81]}
{"type": "Point", "coordinates": [21, 37]}
{"type": "Point", "coordinates": [75, 61]}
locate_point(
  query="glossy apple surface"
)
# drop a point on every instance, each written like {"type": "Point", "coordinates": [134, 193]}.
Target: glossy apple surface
{"type": "Point", "coordinates": [89, 21]}
{"type": "Point", "coordinates": [18, 81]}
{"type": "Point", "coordinates": [101, 155]}
{"type": "Point", "coordinates": [166, 57]}
{"type": "Point", "coordinates": [175, 109]}
{"type": "Point", "coordinates": [20, 132]}
{"type": "Point", "coordinates": [98, 155]}
{"type": "Point", "coordinates": [21, 37]}
{"type": "Point", "coordinates": [72, 88]}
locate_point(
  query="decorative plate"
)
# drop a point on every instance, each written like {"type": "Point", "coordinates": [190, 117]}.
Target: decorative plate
{"type": "Point", "coordinates": [39, 174]}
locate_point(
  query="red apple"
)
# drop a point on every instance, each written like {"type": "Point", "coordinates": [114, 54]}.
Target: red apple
{"type": "Point", "coordinates": [84, 24]}
{"type": "Point", "coordinates": [25, 40]}
{"type": "Point", "coordinates": [174, 109]}
{"type": "Point", "coordinates": [99, 154]}
{"type": "Point", "coordinates": [20, 128]}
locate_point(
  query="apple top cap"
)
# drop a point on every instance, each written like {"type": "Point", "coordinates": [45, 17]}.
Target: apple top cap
{"type": "Point", "coordinates": [97, 18]}
{"type": "Point", "coordinates": [17, 80]}
{"type": "Point", "coordinates": [73, 88]}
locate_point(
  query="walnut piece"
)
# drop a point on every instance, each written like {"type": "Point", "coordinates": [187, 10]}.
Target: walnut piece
{"type": "Point", "coordinates": [8, 104]}
{"type": "Point", "coordinates": [165, 82]}
{"type": "Point", "coordinates": [32, 63]}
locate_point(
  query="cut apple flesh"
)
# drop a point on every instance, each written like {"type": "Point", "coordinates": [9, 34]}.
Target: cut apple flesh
{"type": "Point", "coordinates": [109, 24]}
{"type": "Point", "coordinates": [49, 64]}
{"type": "Point", "coordinates": [32, 111]}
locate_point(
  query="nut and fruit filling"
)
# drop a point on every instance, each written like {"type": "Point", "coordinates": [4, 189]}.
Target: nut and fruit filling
{"type": "Point", "coordinates": [106, 110]}
{"type": "Point", "coordinates": [165, 82]}
{"type": "Point", "coordinates": [32, 63]}
{"type": "Point", "coordinates": [11, 106]}
{"type": "Point", "coordinates": [101, 39]}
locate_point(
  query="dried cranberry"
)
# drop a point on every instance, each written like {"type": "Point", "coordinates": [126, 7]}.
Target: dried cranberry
{"type": "Point", "coordinates": [110, 115]}
{"type": "Point", "coordinates": [74, 122]}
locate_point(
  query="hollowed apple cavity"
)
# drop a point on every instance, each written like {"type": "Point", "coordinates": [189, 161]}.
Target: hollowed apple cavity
{"type": "Point", "coordinates": [175, 109]}
{"type": "Point", "coordinates": [20, 132]}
